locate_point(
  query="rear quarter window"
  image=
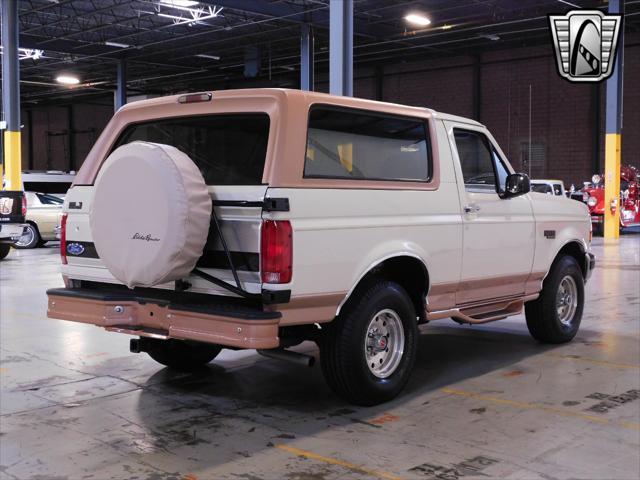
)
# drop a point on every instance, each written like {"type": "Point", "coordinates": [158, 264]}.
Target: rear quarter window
{"type": "Point", "coordinates": [362, 145]}
{"type": "Point", "coordinates": [228, 149]}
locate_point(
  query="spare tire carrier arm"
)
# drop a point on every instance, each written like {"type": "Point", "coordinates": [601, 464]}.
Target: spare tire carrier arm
{"type": "Point", "coordinates": [268, 205]}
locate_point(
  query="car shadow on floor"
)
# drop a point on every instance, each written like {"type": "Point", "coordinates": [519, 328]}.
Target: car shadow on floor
{"type": "Point", "coordinates": [285, 400]}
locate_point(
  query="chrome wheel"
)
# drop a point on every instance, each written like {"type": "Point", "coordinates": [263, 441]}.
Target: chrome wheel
{"type": "Point", "coordinates": [28, 236]}
{"type": "Point", "coordinates": [384, 343]}
{"type": "Point", "coordinates": [567, 300]}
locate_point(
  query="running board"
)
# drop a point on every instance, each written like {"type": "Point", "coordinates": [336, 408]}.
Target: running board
{"type": "Point", "coordinates": [483, 313]}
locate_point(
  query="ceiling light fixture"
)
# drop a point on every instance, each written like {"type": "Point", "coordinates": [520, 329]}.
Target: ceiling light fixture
{"type": "Point", "coordinates": [67, 80]}
{"type": "Point", "coordinates": [180, 3]}
{"type": "Point", "coordinates": [116, 44]}
{"type": "Point", "coordinates": [492, 36]}
{"type": "Point", "coordinates": [195, 15]}
{"type": "Point", "coordinates": [446, 27]}
{"type": "Point", "coordinates": [211, 57]}
{"type": "Point", "coordinates": [27, 53]}
{"type": "Point", "coordinates": [417, 19]}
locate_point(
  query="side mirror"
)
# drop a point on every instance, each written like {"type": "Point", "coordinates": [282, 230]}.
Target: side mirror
{"type": "Point", "coordinates": [516, 184]}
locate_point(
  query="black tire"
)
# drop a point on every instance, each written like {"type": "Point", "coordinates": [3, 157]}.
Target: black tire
{"type": "Point", "coordinates": [181, 355]}
{"type": "Point", "coordinates": [544, 318]}
{"type": "Point", "coordinates": [344, 353]}
{"type": "Point", "coordinates": [32, 234]}
{"type": "Point", "coordinates": [4, 250]}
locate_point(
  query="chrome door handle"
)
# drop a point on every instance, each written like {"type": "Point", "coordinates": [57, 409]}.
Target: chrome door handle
{"type": "Point", "coordinates": [473, 208]}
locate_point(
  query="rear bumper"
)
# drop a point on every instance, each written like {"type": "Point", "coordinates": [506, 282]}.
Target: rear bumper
{"type": "Point", "coordinates": [589, 265]}
{"type": "Point", "coordinates": [9, 232]}
{"type": "Point", "coordinates": [180, 317]}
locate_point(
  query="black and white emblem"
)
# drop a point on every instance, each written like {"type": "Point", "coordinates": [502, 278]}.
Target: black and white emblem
{"type": "Point", "coordinates": [585, 44]}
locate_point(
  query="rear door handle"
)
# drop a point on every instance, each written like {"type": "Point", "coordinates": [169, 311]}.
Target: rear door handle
{"type": "Point", "coordinates": [472, 208]}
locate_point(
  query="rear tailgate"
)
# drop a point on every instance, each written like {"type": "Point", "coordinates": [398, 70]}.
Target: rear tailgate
{"type": "Point", "coordinates": [239, 213]}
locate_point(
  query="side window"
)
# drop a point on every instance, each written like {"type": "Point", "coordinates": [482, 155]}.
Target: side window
{"type": "Point", "coordinates": [482, 167]}
{"type": "Point", "coordinates": [358, 145]}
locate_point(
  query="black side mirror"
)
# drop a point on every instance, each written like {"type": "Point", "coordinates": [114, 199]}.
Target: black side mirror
{"type": "Point", "coordinates": [516, 184]}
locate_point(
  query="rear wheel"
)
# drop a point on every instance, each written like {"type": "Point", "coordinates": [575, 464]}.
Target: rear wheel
{"type": "Point", "coordinates": [4, 250]}
{"type": "Point", "coordinates": [368, 352]}
{"type": "Point", "coordinates": [30, 237]}
{"type": "Point", "coordinates": [180, 354]}
{"type": "Point", "coordinates": [555, 316]}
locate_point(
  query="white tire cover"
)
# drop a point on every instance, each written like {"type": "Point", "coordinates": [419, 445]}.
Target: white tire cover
{"type": "Point", "coordinates": [150, 214]}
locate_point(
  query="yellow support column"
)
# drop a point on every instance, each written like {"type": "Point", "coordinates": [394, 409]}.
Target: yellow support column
{"type": "Point", "coordinates": [12, 161]}
{"type": "Point", "coordinates": [613, 142]}
{"type": "Point", "coordinates": [613, 136]}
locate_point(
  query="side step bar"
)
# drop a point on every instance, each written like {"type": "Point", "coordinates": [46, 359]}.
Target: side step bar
{"type": "Point", "coordinates": [478, 314]}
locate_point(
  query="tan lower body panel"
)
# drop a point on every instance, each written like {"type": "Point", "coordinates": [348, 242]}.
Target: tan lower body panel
{"type": "Point", "coordinates": [138, 319]}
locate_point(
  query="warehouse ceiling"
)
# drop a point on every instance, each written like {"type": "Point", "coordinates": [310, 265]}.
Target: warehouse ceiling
{"type": "Point", "coordinates": [177, 45]}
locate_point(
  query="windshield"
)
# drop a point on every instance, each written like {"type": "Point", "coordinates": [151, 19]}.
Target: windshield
{"type": "Point", "coordinates": [228, 149]}
{"type": "Point", "coordinates": [541, 188]}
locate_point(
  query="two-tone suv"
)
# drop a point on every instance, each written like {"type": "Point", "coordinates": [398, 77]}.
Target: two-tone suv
{"type": "Point", "coordinates": [258, 219]}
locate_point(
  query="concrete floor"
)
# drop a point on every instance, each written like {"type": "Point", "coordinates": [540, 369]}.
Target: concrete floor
{"type": "Point", "coordinates": [483, 402]}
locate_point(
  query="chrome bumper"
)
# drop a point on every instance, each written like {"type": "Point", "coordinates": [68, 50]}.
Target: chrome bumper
{"type": "Point", "coordinates": [589, 265]}
{"type": "Point", "coordinates": [10, 232]}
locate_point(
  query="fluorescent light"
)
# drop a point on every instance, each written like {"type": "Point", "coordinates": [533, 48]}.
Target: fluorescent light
{"type": "Point", "coordinates": [116, 44]}
{"type": "Point", "coordinates": [179, 3]}
{"type": "Point", "coordinates": [67, 80]}
{"type": "Point", "coordinates": [204, 55]}
{"type": "Point", "coordinates": [492, 36]}
{"type": "Point", "coordinates": [417, 19]}
{"type": "Point", "coordinates": [446, 27]}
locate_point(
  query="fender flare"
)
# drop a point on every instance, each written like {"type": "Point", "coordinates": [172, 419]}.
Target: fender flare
{"type": "Point", "coordinates": [375, 264]}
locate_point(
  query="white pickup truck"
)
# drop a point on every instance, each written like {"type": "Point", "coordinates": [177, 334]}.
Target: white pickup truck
{"type": "Point", "coordinates": [258, 219]}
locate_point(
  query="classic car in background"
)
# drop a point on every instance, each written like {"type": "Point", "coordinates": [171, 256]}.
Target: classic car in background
{"type": "Point", "coordinates": [43, 216]}
{"type": "Point", "coordinates": [550, 187]}
{"type": "Point", "coordinates": [44, 192]}
{"type": "Point", "coordinates": [629, 200]}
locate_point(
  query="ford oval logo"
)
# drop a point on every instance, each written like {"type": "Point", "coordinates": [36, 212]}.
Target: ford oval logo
{"type": "Point", "coordinates": [75, 249]}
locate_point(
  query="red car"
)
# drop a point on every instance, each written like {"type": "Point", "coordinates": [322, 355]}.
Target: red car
{"type": "Point", "coordinates": [629, 202]}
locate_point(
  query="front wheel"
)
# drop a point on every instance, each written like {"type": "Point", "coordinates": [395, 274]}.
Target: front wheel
{"type": "Point", "coordinates": [368, 352]}
{"type": "Point", "coordinates": [555, 316]}
{"type": "Point", "coordinates": [180, 354]}
{"type": "Point", "coordinates": [4, 250]}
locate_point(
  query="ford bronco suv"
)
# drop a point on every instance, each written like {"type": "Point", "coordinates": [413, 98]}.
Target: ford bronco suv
{"type": "Point", "coordinates": [261, 218]}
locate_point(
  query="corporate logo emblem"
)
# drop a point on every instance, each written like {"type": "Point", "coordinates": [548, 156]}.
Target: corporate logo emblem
{"type": "Point", "coordinates": [585, 44]}
{"type": "Point", "coordinates": [75, 249]}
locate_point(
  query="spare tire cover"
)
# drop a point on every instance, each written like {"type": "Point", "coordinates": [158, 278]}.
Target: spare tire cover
{"type": "Point", "coordinates": [150, 214]}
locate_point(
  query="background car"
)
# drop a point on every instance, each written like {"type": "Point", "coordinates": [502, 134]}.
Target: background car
{"type": "Point", "coordinates": [43, 216]}
{"type": "Point", "coordinates": [551, 187]}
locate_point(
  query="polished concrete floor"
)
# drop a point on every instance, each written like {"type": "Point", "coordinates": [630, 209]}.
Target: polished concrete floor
{"type": "Point", "coordinates": [484, 402]}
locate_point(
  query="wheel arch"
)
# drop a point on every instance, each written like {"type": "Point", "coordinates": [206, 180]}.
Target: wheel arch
{"type": "Point", "coordinates": [407, 269]}
{"type": "Point", "coordinates": [573, 248]}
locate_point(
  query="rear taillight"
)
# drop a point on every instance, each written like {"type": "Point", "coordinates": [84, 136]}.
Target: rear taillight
{"type": "Point", "coordinates": [63, 238]}
{"type": "Point", "coordinates": [276, 251]}
{"type": "Point", "coordinates": [24, 206]}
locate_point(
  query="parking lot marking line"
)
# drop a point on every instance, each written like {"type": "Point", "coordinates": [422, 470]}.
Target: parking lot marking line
{"type": "Point", "coordinates": [336, 461]}
{"type": "Point", "coordinates": [593, 360]}
{"type": "Point", "coordinates": [537, 406]}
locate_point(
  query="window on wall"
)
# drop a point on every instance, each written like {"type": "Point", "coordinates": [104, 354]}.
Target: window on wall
{"type": "Point", "coordinates": [359, 145]}
{"type": "Point", "coordinates": [482, 167]}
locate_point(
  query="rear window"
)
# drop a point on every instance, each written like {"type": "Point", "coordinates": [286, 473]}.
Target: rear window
{"type": "Point", "coordinates": [362, 145]}
{"type": "Point", "coordinates": [46, 187]}
{"type": "Point", "coordinates": [228, 149]}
